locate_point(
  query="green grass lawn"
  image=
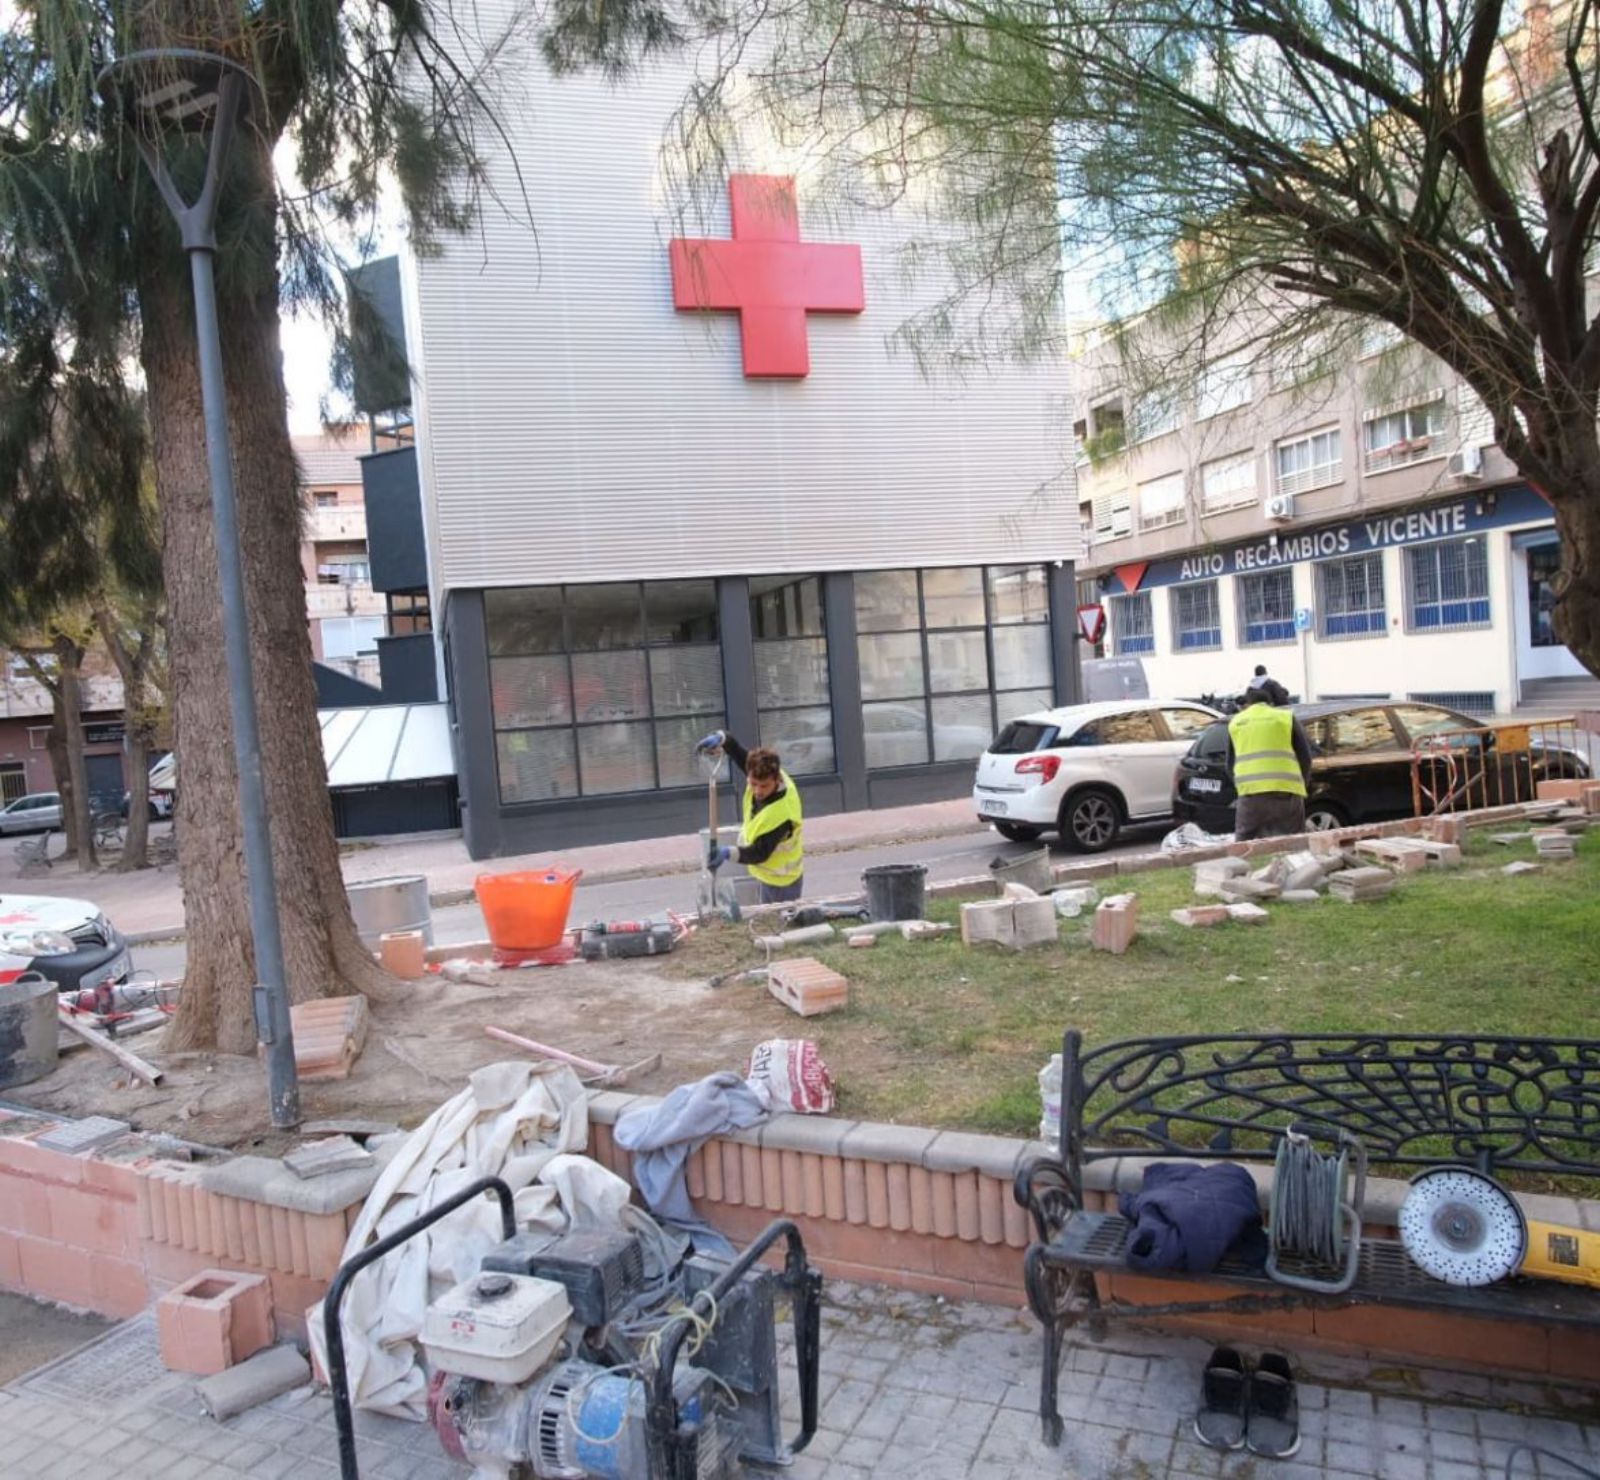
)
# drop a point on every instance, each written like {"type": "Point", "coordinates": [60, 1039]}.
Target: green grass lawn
{"type": "Point", "coordinates": [937, 1034]}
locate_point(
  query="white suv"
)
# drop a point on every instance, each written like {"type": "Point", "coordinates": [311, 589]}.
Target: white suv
{"type": "Point", "coordinates": [1087, 771]}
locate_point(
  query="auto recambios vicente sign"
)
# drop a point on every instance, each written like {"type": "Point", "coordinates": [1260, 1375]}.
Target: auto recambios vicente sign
{"type": "Point", "coordinates": [1453, 519]}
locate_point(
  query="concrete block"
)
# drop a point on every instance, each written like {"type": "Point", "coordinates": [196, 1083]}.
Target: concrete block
{"type": "Point", "coordinates": [1014, 891]}
{"type": "Point", "coordinates": [1237, 891]}
{"type": "Point", "coordinates": [1509, 839]}
{"type": "Point", "coordinates": [873, 1141]}
{"type": "Point", "coordinates": [252, 1382]}
{"type": "Point", "coordinates": [1300, 896]}
{"type": "Point", "coordinates": [815, 1135]}
{"type": "Point", "coordinates": [323, 1158]}
{"type": "Point", "coordinates": [859, 942]}
{"type": "Point", "coordinates": [1521, 866]}
{"type": "Point", "coordinates": [329, 1034]}
{"type": "Point", "coordinates": [78, 1136]}
{"type": "Point", "coordinates": [1446, 829]}
{"type": "Point", "coordinates": [807, 987]}
{"type": "Point", "coordinates": [263, 1179]}
{"type": "Point", "coordinates": [986, 919]}
{"type": "Point", "coordinates": [1200, 916]}
{"type": "Point", "coordinates": [1248, 914]}
{"type": "Point", "coordinates": [1033, 922]}
{"type": "Point", "coordinates": [964, 1151]}
{"type": "Point", "coordinates": [1302, 871]}
{"type": "Point", "coordinates": [924, 929]}
{"type": "Point", "coordinates": [1591, 798]}
{"type": "Point", "coordinates": [217, 1318]}
{"type": "Point", "coordinates": [1442, 855]}
{"type": "Point", "coordinates": [1210, 876]}
{"type": "Point", "coordinates": [1116, 922]}
{"type": "Point", "coordinates": [1274, 873]}
{"type": "Point", "coordinates": [1083, 873]}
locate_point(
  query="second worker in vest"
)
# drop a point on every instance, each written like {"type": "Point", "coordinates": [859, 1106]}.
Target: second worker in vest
{"type": "Point", "coordinates": [770, 830]}
{"type": "Point", "coordinates": [1269, 759]}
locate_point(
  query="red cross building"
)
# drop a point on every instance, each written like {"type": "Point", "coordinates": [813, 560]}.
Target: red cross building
{"type": "Point", "coordinates": [768, 275]}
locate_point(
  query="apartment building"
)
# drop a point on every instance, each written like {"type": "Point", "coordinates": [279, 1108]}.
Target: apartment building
{"type": "Point", "coordinates": [1356, 530]}
{"type": "Point", "coordinates": [346, 615]}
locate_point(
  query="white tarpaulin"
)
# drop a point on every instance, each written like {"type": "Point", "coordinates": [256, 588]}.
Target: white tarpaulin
{"type": "Point", "coordinates": [527, 1124]}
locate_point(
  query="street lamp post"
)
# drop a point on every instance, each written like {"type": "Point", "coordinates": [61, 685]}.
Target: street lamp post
{"type": "Point", "coordinates": [159, 93]}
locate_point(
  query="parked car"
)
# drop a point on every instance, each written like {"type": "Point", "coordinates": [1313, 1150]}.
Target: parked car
{"type": "Point", "coordinates": [1087, 771]}
{"type": "Point", "coordinates": [1361, 766]}
{"type": "Point", "coordinates": [160, 804]}
{"type": "Point", "coordinates": [68, 941]}
{"type": "Point", "coordinates": [39, 811]}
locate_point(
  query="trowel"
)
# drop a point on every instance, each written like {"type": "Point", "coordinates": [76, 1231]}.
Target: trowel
{"type": "Point", "coordinates": [714, 895]}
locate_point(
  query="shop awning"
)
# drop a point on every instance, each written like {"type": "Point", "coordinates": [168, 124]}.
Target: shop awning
{"type": "Point", "coordinates": [386, 742]}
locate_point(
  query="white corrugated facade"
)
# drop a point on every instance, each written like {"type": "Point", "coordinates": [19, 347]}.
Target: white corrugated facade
{"type": "Point", "coordinates": [576, 428]}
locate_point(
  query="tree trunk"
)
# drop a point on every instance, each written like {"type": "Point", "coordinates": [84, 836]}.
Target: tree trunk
{"type": "Point", "coordinates": [56, 746]}
{"type": "Point", "coordinates": [75, 810]}
{"type": "Point", "coordinates": [136, 839]}
{"type": "Point", "coordinates": [1577, 613]}
{"type": "Point", "coordinates": [323, 953]}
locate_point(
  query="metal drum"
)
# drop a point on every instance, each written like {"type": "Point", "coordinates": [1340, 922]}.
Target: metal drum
{"type": "Point", "coordinates": [396, 903]}
{"type": "Point", "coordinates": [29, 1033]}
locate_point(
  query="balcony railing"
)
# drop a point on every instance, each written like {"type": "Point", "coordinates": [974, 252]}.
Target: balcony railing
{"type": "Point", "coordinates": [339, 523]}
{"type": "Point", "coordinates": [343, 601]}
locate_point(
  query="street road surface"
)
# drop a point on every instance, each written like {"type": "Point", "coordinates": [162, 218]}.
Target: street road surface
{"type": "Point", "coordinates": [953, 857]}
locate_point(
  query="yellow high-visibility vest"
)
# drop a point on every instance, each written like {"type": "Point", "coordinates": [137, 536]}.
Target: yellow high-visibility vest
{"type": "Point", "coordinates": [1263, 752]}
{"type": "Point", "coordinates": [784, 864]}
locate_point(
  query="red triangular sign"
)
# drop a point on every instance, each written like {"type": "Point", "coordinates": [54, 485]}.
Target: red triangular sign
{"type": "Point", "coordinates": [1092, 622]}
{"type": "Point", "coordinates": [1131, 575]}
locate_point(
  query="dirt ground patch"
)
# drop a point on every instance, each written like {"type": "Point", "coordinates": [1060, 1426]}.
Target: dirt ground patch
{"type": "Point", "coordinates": [419, 1052]}
{"type": "Point", "coordinates": [943, 1036]}
{"type": "Point", "coordinates": [33, 1333]}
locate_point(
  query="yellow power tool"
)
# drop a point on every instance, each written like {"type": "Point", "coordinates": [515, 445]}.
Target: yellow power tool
{"type": "Point", "coordinates": [1462, 1227]}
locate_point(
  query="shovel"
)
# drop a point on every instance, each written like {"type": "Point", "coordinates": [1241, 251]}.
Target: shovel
{"type": "Point", "coordinates": [713, 896]}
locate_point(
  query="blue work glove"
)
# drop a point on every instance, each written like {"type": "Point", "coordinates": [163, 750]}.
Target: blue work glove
{"type": "Point", "coordinates": [717, 854]}
{"type": "Point", "coordinates": [714, 741]}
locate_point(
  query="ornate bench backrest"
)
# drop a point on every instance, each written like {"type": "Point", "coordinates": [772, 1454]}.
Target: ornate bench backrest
{"type": "Point", "coordinates": [1501, 1104]}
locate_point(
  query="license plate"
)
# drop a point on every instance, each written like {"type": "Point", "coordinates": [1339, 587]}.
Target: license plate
{"type": "Point", "coordinates": [113, 971]}
{"type": "Point", "coordinates": [992, 809]}
{"type": "Point", "coordinates": [1204, 783]}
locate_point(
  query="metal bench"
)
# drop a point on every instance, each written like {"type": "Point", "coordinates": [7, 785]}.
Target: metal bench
{"type": "Point", "coordinates": [1502, 1105]}
{"type": "Point", "coordinates": [33, 853]}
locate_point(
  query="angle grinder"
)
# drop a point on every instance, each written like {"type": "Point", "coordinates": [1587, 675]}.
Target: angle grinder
{"type": "Point", "coordinates": [1463, 1227]}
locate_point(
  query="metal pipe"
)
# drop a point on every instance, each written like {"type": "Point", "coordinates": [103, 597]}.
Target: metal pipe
{"type": "Point", "coordinates": [283, 1086]}
{"type": "Point", "coordinates": [333, 1333]}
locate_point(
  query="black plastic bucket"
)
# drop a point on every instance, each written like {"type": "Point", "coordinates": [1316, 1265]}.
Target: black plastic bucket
{"type": "Point", "coordinates": [895, 891]}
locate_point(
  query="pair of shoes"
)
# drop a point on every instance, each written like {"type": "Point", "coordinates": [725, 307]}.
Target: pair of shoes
{"type": "Point", "coordinates": [1240, 1408]}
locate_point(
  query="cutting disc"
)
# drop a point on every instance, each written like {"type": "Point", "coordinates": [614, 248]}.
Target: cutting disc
{"type": "Point", "coordinates": [1462, 1227]}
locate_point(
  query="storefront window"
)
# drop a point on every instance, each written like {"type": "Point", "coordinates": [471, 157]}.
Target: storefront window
{"type": "Point", "coordinates": [1350, 597]}
{"type": "Point", "coordinates": [791, 651]}
{"type": "Point", "coordinates": [602, 689]}
{"type": "Point", "coordinates": [1266, 607]}
{"type": "Point", "coordinates": [1448, 585]}
{"type": "Point", "coordinates": [1196, 617]}
{"type": "Point", "coordinates": [941, 651]}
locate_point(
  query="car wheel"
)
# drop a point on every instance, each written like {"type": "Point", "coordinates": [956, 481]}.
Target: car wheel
{"type": "Point", "coordinates": [1325, 817]}
{"type": "Point", "coordinates": [1090, 821]}
{"type": "Point", "coordinates": [1017, 833]}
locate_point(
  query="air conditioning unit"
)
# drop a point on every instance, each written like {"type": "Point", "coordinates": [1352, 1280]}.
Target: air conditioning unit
{"type": "Point", "coordinates": [1466, 463]}
{"type": "Point", "coordinates": [1280, 506]}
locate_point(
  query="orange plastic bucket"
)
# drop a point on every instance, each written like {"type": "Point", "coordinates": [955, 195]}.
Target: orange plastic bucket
{"type": "Point", "coordinates": [527, 911]}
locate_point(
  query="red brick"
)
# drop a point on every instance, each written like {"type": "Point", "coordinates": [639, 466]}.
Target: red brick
{"type": "Point", "coordinates": [1433, 1334]}
{"type": "Point", "coordinates": [83, 1219]}
{"type": "Point", "coordinates": [119, 1178]}
{"type": "Point", "coordinates": [21, 1154]}
{"type": "Point", "coordinates": [118, 1285]}
{"type": "Point", "coordinates": [25, 1206]}
{"type": "Point", "coordinates": [1575, 1354]}
{"type": "Point", "coordinates": [325, 1241]}
{"type": "Point", "coordinates": [214, 1320]}
{"type": "Point", "coordinates": [55, 1272]}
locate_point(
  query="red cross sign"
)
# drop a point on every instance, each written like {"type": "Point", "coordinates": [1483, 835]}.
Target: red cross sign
{"type": "Point", "coordinates": [768, 275]}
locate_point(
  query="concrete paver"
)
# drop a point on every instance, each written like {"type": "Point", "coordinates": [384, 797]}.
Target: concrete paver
{"type": "Point", "coordinates": [910, 1386]}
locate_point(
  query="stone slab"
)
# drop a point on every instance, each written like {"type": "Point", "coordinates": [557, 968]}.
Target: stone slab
{"type": "Point", "coordinates": [264, 1179]}
{"type": "Point", "coordinates": [253, 1382]}
{"type": "Point", "coordinates": [77, 1136]}
{"type": "Point", "coordinates": [323, 1158]}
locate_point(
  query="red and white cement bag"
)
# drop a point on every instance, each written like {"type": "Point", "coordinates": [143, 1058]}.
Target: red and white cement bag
{"type": "Point", "coordinates": [790, 1075]}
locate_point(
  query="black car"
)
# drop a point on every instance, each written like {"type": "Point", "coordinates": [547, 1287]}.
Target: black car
{"type": "Point", "coordinates": [1361, 771]}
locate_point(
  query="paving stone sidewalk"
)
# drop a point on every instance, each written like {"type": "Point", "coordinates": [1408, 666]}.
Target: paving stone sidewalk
{"type": "Point", "coordinates": [911, 1386]}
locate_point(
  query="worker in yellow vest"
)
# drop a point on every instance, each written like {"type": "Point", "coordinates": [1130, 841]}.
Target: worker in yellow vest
{"type": "Point", "coordinates": [770, 844]}
{"type": "Point", "coordinates": [1269, 758]}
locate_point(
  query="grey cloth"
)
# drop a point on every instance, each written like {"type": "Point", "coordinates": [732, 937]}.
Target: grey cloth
{"type": "Point", "coordinates": [663, 1137]}
{"type": "Point", "coordinates": [1271, 814]}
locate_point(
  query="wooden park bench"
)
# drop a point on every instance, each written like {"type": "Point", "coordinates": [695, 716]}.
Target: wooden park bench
{"type": "Point", "coordinates": [1501, 1105]}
